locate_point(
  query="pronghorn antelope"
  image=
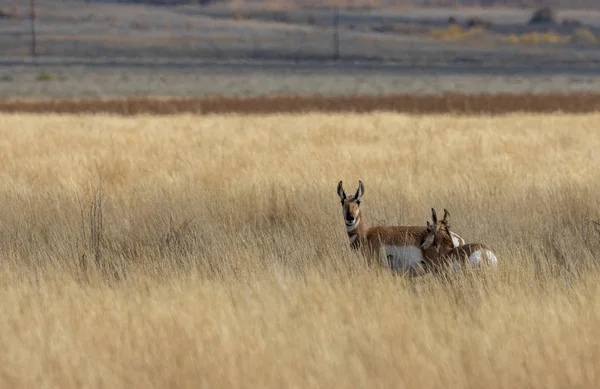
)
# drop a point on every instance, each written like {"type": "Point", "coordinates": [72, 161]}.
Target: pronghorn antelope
{"type": "Point", "coordinates": [441, 250]}
{"type": "Point", "coordinates": [401, 244]}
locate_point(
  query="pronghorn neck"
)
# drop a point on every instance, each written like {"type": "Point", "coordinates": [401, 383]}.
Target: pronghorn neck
{"type": "Point", "coordinates": [356, 232]}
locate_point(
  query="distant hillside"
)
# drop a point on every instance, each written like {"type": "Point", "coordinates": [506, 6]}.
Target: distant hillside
{"type": "Point", "coordinates": [564, 4]}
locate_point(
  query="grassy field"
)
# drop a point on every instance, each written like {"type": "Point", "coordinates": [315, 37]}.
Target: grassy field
{"type": "Point", "coordinates": [214, 253]}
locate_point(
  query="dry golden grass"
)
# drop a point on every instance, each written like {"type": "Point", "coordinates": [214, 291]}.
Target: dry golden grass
{"type": "Point", "coordinates": [534, 38]}
{"type": "Point", "coordinates": [215, 255]}
{"type": "Point", "coordinates": [455, 32]}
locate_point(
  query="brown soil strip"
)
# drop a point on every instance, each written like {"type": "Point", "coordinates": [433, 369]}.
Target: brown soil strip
{"type": "Point", "coordinates": [414, 104]}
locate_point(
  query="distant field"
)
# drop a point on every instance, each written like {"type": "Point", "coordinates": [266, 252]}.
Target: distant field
{"type": "Point", "coordinates": [214, 254]}
{"type": "Point", "coordinates": [102, 50]}
{"type": "Point", "coordinates": [256, 79]}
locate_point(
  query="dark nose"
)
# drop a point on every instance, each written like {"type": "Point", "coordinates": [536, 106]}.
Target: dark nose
{"type": "Point", "coordinates": [350, 218]}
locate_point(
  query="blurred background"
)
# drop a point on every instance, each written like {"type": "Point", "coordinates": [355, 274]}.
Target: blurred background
{"type": "Point", "coordinates": [83, 48]}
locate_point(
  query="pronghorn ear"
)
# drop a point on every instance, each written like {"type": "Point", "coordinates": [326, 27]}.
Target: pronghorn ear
{"type": "Point", "coordinates": [341, 192]}
{"type": "Point", "coordinates": [360, 191]}
{"type": "Point", "coordinates": [434, 216]}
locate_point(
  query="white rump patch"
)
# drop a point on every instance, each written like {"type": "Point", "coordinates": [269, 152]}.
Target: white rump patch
{"type": "Point", "coordinates": [477, 257]}
{"type": "Point", "coordinates": [403, 258]}
{"type": "Point", "coordinates": [456, 240]}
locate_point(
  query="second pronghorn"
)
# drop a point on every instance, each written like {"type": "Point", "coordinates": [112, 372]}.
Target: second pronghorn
{"type": "Point", "coordinates": [400, 245]}
{"type": "Point", "coordinates": [441, 251]}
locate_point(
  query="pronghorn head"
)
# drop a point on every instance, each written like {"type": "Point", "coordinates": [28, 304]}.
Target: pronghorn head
{"type": "Point", "coordinates": [438, 234]}
{"type": "Point", "coordinates": [351, 204]}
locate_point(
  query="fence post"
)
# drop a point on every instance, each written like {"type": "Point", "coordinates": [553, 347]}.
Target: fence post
{"type": "Point", "coordinates": [336, 33]}
{"type": "Point", "coordinates": [32, 15]}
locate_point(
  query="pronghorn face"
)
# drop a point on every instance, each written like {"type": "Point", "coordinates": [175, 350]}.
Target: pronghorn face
{"type": "Point", "coordinates": [438, 234]}
{"type": "Point", "coordinates": [351, 204]}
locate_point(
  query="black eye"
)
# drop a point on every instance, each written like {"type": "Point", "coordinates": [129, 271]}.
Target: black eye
{"type": "Point", "coordinates": [357, 202]}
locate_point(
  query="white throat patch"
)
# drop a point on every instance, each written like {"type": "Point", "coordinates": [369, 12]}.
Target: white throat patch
{"type": "Point", "coordinates": [353, 226]}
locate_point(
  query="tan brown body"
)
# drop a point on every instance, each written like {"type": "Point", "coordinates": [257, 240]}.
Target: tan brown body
{"type": "Point", "coordinates": [381, 241]}
{"type": "Point", "coordinates": [398, 247]}
{"type": "Point", "coordinates": [462, 253]}
{"type": "Point", "coordinates": [441, 252]}
{"type": "Point", "coordinates": [470, 254]}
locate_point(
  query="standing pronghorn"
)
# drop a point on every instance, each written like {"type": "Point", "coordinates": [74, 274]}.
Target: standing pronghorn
{"type": "Point", "coordinates": [401, 244]}
{"type": "Point", "coordinates": [441, 251]}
